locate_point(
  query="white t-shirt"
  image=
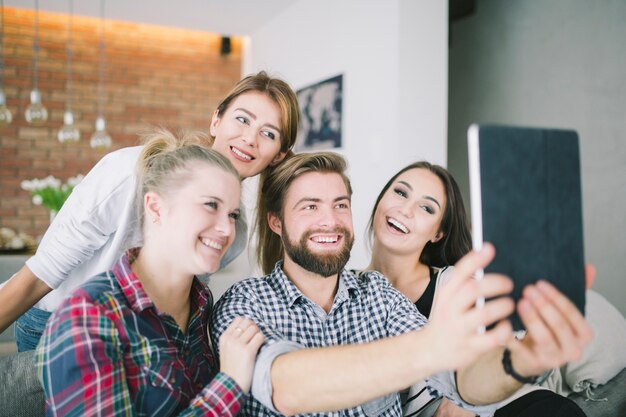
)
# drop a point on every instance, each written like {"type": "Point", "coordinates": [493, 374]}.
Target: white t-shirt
{"type": "Point", "coordinates": [94, 227]}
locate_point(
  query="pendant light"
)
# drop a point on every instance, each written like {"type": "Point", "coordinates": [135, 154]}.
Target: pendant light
{"type": "Point", "coordinates": [5, 114]}
{"type": "Point", "coordinates": [36, 113]}
{"type": "Point", "coordinates": [101, 139]}
{"type": "Point", "coordinates": [69, 132]}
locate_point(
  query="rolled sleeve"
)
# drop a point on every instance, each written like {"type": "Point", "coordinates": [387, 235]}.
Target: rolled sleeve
{"type": "Point", "coordinates": [262, 377]}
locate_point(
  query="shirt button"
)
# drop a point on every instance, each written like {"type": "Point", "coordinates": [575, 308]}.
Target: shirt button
{"type": "Point", "coordinates": [172, 380]}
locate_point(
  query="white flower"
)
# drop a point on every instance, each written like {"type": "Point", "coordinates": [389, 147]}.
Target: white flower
{"type": "Point", "coordinates": [27, 185]}
{"type": "Point", "coordinates": [51, 182]}
{"type": "Point", "coordinates": [37, 184]}
{"type": "Point", "coordinates": [15, 243]}
{"type": "Point", "coordinates": [50, 192]}
{"type": "Point", "coordinates": [7, 233]}
{"type": "Point", "coordinates": [74, 181]}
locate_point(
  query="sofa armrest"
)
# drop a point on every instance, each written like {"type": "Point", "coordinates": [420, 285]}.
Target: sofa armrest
{"type": "Point", "coordinates": [604, 400]}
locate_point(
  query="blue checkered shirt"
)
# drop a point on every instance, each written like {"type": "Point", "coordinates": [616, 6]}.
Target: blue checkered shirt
{"type": "Point", "coordinates": [365, 308]}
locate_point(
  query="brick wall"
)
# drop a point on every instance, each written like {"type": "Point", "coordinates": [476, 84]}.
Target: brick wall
{"type": "Point", "coordinates": [153, 76]}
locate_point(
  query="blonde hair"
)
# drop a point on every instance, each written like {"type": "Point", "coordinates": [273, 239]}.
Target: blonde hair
{"type": "Point", "coordinates": [269, 247]}
{"type": "Point", "coordinates": [164, 162]}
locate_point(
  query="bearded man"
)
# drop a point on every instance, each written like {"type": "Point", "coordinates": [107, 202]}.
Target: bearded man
{"type": "Point", "coordinates": [337, 343]}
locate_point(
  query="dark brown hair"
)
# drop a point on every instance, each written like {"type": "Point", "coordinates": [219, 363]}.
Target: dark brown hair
{"type": "Point", "coordinates": [457, 240]}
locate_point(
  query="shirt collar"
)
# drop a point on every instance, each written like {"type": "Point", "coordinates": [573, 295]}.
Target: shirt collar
{"type": "Point", "coordinates": [136, 295]}
{"type": "Point", "coordinates": [348, 285]}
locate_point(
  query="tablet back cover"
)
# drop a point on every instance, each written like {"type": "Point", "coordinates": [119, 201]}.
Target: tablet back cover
{"type": "Point", "coordinates": [531, 206]}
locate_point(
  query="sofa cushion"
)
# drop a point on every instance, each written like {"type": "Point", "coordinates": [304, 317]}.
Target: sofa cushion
{"type": "Point", "coordinates": [609, 399]}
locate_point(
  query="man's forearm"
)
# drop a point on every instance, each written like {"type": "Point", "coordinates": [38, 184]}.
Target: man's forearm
{"type": "Point", "coordinates": [334, 378]}
{"type": "Point", "coordinates": [19, 294]}
{"type": "Point", "coordinates": [484, 381]}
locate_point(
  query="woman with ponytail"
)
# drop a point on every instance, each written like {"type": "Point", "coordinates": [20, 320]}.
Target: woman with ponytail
{"type": "Point", "coordinates": [133, 340]}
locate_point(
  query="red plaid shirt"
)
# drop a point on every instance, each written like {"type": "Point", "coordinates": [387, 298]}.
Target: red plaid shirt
{"type": "Point", "coordinates": [109, 351]}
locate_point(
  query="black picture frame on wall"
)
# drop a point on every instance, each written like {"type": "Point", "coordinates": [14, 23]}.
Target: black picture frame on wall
{"type": "Point", "coordinates": [321, 106]}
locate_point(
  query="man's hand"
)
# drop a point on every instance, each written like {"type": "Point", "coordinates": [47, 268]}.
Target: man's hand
{"type": "Point", "coordinates": [556, 331]}
{"type": "Point", "coordinates": [455, 319]}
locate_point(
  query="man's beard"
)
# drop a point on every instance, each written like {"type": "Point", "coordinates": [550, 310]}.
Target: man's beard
{"type": "Point", "coordinates": [324, 265]}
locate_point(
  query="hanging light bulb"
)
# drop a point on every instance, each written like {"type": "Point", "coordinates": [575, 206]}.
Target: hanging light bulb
{"type": "Point", "coordinates": [5, 114]}
{"type": "Point", "coordinates": [101, 139]}
{"type": "Point", "coordinates": [36, 113]}
{"type": "Point", "coordinates": [69, 132]}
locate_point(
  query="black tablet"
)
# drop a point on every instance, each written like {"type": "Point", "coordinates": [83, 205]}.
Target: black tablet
{"type": "Point", "coordinates": [526, 199]}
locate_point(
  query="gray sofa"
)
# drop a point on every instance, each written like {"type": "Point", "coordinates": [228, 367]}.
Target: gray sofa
{"type": "Point", "coordinates": [610, 399]}
{"type": "Point", "coordinates": [21, 395]}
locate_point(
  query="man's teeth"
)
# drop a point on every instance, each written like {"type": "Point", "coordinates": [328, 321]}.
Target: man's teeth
{"type": "Point", "coordinates": [241, 154]}
{"type": "Point", "coordinates": [212, 244]}
{"type": "Point", "coordinates": [321, 239]}
{"type": "Point", "coordinates": [398, 225]}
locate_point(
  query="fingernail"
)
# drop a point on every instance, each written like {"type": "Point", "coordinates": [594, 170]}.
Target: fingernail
{"type": "Point", "coordinates": [543, 285]}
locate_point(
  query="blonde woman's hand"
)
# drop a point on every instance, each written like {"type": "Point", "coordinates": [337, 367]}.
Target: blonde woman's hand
{"type": "Point", "coordinates": [239, 345]}
{"type": "Point", "coordinates": [455, 319]}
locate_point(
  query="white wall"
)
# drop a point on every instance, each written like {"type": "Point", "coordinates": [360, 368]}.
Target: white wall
{"type": "Point", "coordinates": [393, 55]}
{"type": "Point", "coordinates": [560, 63]}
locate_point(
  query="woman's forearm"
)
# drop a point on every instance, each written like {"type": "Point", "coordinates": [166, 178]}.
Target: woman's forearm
{"type": "Point", "coordinates": [19, 294]}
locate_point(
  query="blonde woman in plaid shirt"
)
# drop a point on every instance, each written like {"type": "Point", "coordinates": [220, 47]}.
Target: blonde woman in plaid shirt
{"type": "Point", "coordinates": [133, 340]}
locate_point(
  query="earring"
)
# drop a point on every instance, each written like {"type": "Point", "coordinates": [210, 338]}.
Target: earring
{"type": "Point", "coordinates": [155, 220]}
